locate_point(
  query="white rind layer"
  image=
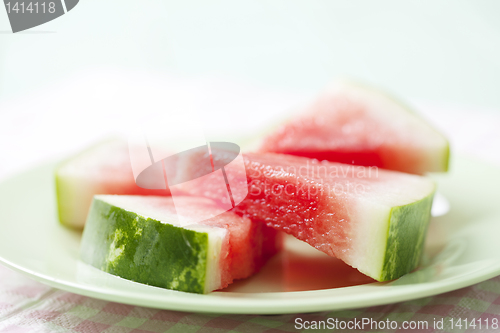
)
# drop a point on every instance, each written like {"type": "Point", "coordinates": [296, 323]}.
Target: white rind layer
{"type": "Point", "coordinates": [216, 237]}
{"type": "Point", "coordinates": [369, 238]}
{"type": "Point", "coordinates": [74, 199]}
{"type": "Point", "coordinates": [95, 170]}
{"type": "Point", "coordinates": [372, 214]}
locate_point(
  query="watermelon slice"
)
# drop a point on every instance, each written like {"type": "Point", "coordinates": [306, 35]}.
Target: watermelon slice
{"type": "Point", "coordinates": [354, 124]}
{"type": "Point", "coordinates": [102, 169]}
{"type": "Point", "coordinates": [375, 220]}
{"type": "Point", "coordinates": [140, 238]}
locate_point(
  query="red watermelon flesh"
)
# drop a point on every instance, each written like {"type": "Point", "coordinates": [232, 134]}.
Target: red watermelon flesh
{"type": "Point", "coordinates": [353, 124]}
{"type": "Point", "coordinates": [374, 220]}
{"type": "Point", "coordinates": [250, 246]}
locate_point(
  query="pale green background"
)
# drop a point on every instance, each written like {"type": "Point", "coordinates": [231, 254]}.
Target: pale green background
{"type": "Point", "coordinates": [445, 51]}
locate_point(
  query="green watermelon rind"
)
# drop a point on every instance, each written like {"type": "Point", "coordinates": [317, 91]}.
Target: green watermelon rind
{"type": "Point", "coordinates": [63, 211]}
{"type": "Point", "coordinates": [407, 228]}
{"type": "Point", "coordinates": [145, 250]}
{"type": "Point", "coordinates": [446, 159]}
{"type": "Point", "coordinates": [65, 193]}
{"type": "Point", "coordinates": [66, 189]}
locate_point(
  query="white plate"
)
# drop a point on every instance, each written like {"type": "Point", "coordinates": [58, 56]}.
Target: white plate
{"type": "Point", "coordinates": [462, 249]}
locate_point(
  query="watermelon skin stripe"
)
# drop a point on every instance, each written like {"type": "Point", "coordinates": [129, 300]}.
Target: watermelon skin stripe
{"type": "Point", "coordinates": [145, 250]}
{"type": "Point", "coordinates": [404, 249]}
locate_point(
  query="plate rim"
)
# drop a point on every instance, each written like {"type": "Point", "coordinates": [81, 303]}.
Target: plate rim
{"type": "Point", "coordinates": [285, 308]}
{"type": "Point", "coordinates": [264, 302]}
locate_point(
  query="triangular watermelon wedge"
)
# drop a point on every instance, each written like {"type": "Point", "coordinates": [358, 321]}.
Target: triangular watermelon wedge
{"type": "Point", "coordinates": [354, 124]}
{"type": "Point", "coordinates": [103, 168]}
{"type": "Point", "coordinates": [375, 220]}
{"type": "Point", "coordinates": [140, 238]}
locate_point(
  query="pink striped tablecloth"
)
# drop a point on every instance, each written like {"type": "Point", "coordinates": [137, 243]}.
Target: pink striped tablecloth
{"type": "Point", "coordinates": [29, 306]}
